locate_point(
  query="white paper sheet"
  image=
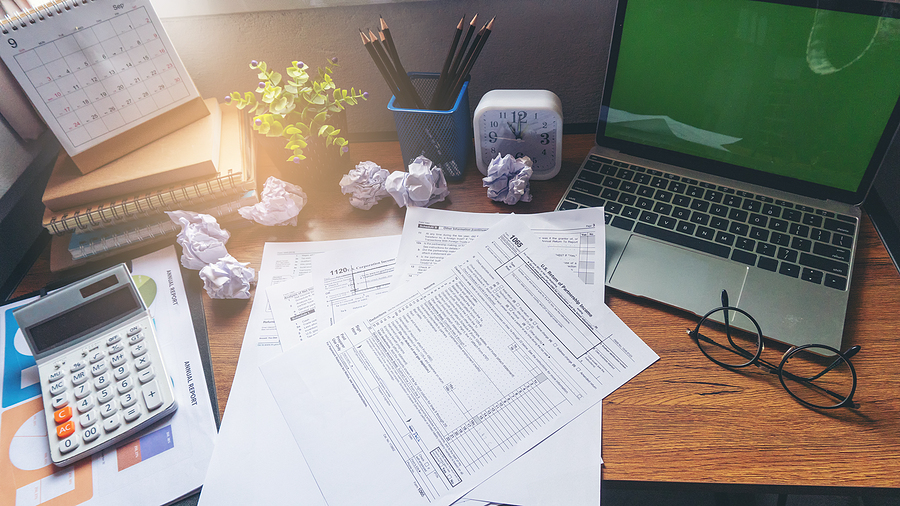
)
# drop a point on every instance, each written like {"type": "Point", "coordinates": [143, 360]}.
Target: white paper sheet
{"type": "Point", "coordinates": [256, 460]}
{"type": "Point", "coordinates": [563, 469]}
{"type": "Point", "coordinates": [436, 386]}
{"type": "Point", "coordinates": [163, 463]}
{"type": "Point", "coordinates": [576, 236]}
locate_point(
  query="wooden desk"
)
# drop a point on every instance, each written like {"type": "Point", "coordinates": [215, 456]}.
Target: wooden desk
{"type": "Point", "coordinates": [684, 420]}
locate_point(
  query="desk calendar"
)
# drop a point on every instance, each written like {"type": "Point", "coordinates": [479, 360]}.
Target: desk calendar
{"type": "Point", "coordinates": [97, 69]}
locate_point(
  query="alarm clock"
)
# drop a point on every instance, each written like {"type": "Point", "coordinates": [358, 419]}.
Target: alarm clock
{"type": "Point", "coordinates": [520, 123]}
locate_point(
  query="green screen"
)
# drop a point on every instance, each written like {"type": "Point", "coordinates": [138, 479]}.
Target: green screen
{"type": "Point", "coordinates": [793, 91]}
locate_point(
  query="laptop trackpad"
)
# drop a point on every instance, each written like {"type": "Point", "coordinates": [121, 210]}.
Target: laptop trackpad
{"type": "Point", "coordinates": [676, 276]}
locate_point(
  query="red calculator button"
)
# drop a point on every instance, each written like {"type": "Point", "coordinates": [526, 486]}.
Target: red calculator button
{"type": "Point", "coordinates": [62, 415]}
{"type": "Point", "coordinates": [65, 430]}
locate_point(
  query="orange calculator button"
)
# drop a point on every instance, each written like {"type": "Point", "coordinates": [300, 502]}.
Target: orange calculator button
{"type": "Point", "coordinates": [63, 415]}
{"type": "Point", "coordinates": [65, 430]}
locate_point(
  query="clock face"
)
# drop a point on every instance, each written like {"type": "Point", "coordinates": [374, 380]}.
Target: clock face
{"type": "Point", "coordinates": [520, 133]}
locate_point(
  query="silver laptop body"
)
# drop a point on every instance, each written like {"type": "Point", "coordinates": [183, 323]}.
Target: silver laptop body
{"type": "Point", "coordinates": [667, 129]}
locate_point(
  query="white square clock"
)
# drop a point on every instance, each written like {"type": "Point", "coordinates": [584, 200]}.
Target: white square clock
{"type": "Point", "coordinates": [520, 123]}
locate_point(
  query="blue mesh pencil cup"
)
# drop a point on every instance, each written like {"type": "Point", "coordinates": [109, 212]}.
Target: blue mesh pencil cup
{"type": "Point", "coordinates": [443, 137]}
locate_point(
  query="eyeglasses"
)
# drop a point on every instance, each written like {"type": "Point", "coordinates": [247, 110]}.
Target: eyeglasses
{"type": "Point", "coordinates": [816, 375]}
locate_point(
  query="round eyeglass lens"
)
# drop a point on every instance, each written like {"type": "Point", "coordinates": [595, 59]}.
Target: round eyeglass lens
{"type": "Point", "coordinates": [729, 337]}
{"type": "Point", "coordinates": [818, 376]}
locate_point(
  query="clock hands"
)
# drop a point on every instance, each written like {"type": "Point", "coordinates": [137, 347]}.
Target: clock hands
{"type": "Point", "coordinates": [518, 130]}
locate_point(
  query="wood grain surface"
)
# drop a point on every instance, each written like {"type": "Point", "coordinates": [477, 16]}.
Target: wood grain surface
{"type": "Point", "coordinates": [683, 420]}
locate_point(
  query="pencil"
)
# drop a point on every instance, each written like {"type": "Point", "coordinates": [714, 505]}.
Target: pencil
{"type": "Point", "coordinates": [457, 61]}
{"type": "Point", "coordinates": [381, 68]}
{"type": "Point", "coordinates": [391, 70]}
{"type": "Point", "coordinates": [436, 97]}
{"type": "Point", "coordinates": [402, 77]}
{"type": "Point", "coordinates": [470, 61]}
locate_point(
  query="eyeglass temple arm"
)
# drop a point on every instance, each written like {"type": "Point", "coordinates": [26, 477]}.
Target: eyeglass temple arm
{"type": "Point", "coordinates": [845, 355]}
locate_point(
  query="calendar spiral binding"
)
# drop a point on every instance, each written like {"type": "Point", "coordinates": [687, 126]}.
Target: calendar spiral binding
{"type": "Point", "coordinates": [22, 19]}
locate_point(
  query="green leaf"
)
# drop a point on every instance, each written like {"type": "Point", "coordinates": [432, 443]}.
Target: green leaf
{"type": "Point", "coordinates": [324, 129]}
{"type": "Point", "coordinates": [275, 129]}
{"type": "Point", "coordinates": [276, 78]}
{"type": "Point", "coordinates": [321, 117]}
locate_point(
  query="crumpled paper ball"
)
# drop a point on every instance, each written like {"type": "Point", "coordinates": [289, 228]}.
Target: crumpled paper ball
{"type": "Point", "coordinates": [422, 186]}
{"type": "Point", "coordinates": [365, 184]}
{"type": "Point", "coordinates": [201, 238]}
{"type": "Point", "coordinates": [279, 204]}
{"type": "Point", "coordinates": [227, 278]}
{"type": "Point", "coordinates": [508, 179]}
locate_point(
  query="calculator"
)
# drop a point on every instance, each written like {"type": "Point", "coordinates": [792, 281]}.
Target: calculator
{"type": "Point", "coordinates": [101, 373]}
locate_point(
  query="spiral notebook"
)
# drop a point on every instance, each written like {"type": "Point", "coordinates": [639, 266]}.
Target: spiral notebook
{"type": "Point", "coordinates": [102, 74]}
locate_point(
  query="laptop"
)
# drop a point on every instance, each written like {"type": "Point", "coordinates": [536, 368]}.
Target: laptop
{"type": "Point", "coordinates": [735, 144]}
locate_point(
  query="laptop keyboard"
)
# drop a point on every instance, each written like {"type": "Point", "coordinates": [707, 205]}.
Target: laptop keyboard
{"type": "Point", "coordinates": [792, 239]}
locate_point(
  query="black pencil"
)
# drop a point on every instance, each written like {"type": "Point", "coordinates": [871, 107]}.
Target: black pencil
{"type": "Point", "coordinates": [470, 62]}
{"type": "Point", "coordinates": [457, 62]}
{"type": "Point", "coordinates": [403, 96]}
{"type": "Point", "coordinates": [402, 77]}
{"type": "Point", "coordinates": [436, 97]}
{"type": "Point", "coordinates": [388, 40]}
{"type": "Point", "coordinates": [381, 67]}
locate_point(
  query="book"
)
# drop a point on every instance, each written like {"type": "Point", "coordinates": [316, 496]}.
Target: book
{"type": "Point", "coordinates": [191, 152]}
{"type": "Point", "coordinates": [236, 175]}
{"type": "Point", "coordinates": [94, 242]}
{"type": "Point", "coordinates": [103, 75]}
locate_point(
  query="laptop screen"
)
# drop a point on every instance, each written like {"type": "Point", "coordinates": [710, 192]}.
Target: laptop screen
{"type": "Point", "coordinates": [797, 97]}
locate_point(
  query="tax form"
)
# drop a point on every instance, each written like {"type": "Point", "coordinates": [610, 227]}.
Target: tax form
{"type": "Point", "coordinates": [576, 236]}
{"type": "Point", "coordinates": [442, 382]}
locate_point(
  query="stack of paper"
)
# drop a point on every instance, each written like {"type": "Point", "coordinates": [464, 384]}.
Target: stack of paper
{"type": "Point", "coordinates": [437, 390]}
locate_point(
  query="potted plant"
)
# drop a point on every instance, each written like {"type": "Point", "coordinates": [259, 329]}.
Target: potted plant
{"type": "Point", "coordinates": [305, 114]}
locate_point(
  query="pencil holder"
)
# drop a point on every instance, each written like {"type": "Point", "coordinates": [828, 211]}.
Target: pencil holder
{"type": "Point", "coordinates": [443, 137]}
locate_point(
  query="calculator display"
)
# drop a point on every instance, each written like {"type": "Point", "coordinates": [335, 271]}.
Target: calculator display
{"type": "Point", "coordinates": [82, 319]}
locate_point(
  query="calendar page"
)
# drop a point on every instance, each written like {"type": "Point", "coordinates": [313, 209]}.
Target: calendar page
{"type": "Point", "coordinates": [95, 68]}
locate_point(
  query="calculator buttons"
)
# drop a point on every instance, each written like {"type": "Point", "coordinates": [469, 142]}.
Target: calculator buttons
{"type": "Point", "coordinates": [116, 348]}
{"type": "Point", "coordinates": [118, 359]}
{"type": "Point", "coordinates": [77, 366]}
{"type": "Point", "coordinates": [100, 382]}
{"type": "Point", "coordinates": [86, 404]}
{"type": "Point", "coordinates": [60, 401]}
{"type": "Point", "coordinates": [142, 363]}
{"type": "Point", "coordinates": [124, 385]}
{"type": "Point", "coordinates": [65, 430]}
{"type": "Point", "coordinates": [88, 419]}
{"type": "Point", "coordinates": [97, 356]}
{"type": "Point", "coordinates": [138, 350]}
{"type": "Point", "coordinates": [121, 372]}
{"type": "Point", "coordinates": [55, 376]}
{"type": "Point", "coordinates": [98, 369]}
{"type": "Point", "coordinates": [113, 339]}
{"type": "Point", "coordinates": [146, 375]}
{"type": "Point", "coordinates": [133, 331]}
{"type": "Point", "coordinates": [58, 387]}
{"type": "Point", "coordinates": [105, 395]}
{"type": "Point", "coordinates": [152, 397]}
{"type": "Point", "coordinates": [112, 423]}
{"type": "Point", "coordinates": [108, 409]}
{"type": "Point", "coordinates": [62, 415]}
{"type": "Point", "coordinates": [81, 391]}
{"type": "Point", "coordinates": [67, 445]}
{"type": "Point", "coordinates": [131, 414]}
{"type": "Point", "coordinates": [129, 399]}
{"type": "Point", "coordinates": [79, 377]}
{"type": "Point", "coordinates": [90, 434]}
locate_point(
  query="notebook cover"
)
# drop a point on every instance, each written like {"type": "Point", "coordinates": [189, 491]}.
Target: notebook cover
{"type": "Point", "coordinates": [188, 153]}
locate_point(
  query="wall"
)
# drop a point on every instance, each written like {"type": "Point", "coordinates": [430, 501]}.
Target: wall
{"type": "Point", "coordinates": [559, 45]}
